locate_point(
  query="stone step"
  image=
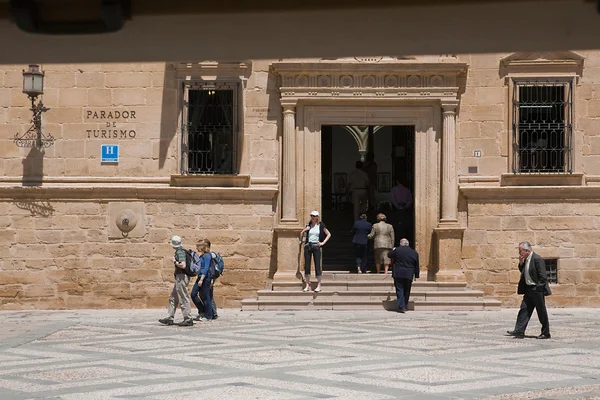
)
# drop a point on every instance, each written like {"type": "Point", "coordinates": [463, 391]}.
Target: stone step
{"type": "Point", "coordinates": [379, 283]}
{"type": "Point", "coordinates": [369, 294]}
{"type": "Point", "coordinates": [340, 304]}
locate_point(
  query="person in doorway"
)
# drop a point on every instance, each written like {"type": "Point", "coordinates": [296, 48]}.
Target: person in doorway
{"type": "Point", "coordinates": [358, 186]}
{"type": "Point", "coordinates": [405, 269]}
{"type": "Point", "coordinates": [370, 167]}
{"type": "Point", "coordinates": [179, 294]}
{"type": "Point", "coordinates": [533, 285]}
{"type": "Point", "coordinates": [314, 236]}
{"type": "Point", "coordinates": [383, 241]}
{"type": "Point", "coordinates": [402, 202]}
{"type": "Point", "coordinates": [360, 241]}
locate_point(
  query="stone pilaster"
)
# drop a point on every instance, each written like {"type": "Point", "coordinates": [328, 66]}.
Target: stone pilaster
{"type": "Point", "coordinates": [449, 233]}
{"type": "Point", "coordinates": [288, 231]}
{"type": "Point", "coordinates": [449, 178]}
{"type": "Point", "coordinates": [288, 197]}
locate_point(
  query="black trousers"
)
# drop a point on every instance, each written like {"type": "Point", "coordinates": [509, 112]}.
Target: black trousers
{"type": "Point", "coordinates": [403, 286]}
{"type": "Point", "coordinates": [311, 249]}
{"type": "Point", "coordinates": [361, 254]}
{"type": "Point", "coordinates": [532, 299]}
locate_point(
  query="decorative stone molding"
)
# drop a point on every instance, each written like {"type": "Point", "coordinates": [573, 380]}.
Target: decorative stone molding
{"type": "Point", "coordinates": [575, 179]}
{"type": "Point", "coordinates": [537, 193]}
{"type": "Point", "coordinates": [369, 80]}
{"type": "Point", "coordinates": [542, 63]}
{"type": "Point", "coordinates": [131, 192]}
{"type": "Point", "coordinates": [213, 70]}
{"type": "Point", "coordinates": [210, 180]}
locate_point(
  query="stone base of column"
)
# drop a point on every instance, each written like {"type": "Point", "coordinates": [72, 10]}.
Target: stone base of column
{"type": "Point", "coordinates": [449, 246]}
{"type": "Point", "coordinates": [289, 254]}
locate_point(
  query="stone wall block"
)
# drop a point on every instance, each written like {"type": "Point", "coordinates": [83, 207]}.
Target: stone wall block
{"type": "Point", "coordinates": [21, 278]}
{"type": "Point", "coordinates": [586, 250]}
{"type": "Point", "coordinates": [73, 97]}
{"type": "Point", "coordinates": [37, 291]}
{"type": "Point", "coordinates": [561, 223]}
{"type": "Point", "coordinates": [470, 252]}
{"type": "Point", "coordinates": [244, 222]}
{"type": "Point", "coordinates": [224, 237]}
{"type": "Point", "coordinates": [586, 290]}
{"type": "Point", "coordinates": [129, 97]}
{"type": "Point", "coordinates": [22, 222]}
{"type": "Point", "coordinates": [10, 291]}
{"type": "Point", "coordinates": [92, 222]}
{"type": "Point", "coordinates": [49, 236]}
{"type": "Point", "coordinates": [128, 79]}
{"type": "Point", "coordinates": [186, 221]}
{"type": "Point", "coordinates": [474, 236]}
{"type": "Point", "coordinates": [99, 97]}
{"type": "Point", "coordinates": [90, 209]}
{"type": "Point", "coordinates": [514, 223]}
{"type": "Point", "coordinates": [485, 222]}
{"type": "Point", "coordinates": [66, 250]}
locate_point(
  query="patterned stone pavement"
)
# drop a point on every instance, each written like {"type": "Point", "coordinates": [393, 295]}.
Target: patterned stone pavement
{"type": "Point", "coordinates": [124, 354]}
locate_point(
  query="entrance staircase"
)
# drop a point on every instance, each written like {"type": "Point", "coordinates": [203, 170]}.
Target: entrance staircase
{"type": "Point", "coordinates": [343, 291]}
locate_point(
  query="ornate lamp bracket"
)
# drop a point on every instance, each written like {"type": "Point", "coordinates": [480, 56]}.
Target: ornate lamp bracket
{"type": "Point", "coordinates": [34, 137]}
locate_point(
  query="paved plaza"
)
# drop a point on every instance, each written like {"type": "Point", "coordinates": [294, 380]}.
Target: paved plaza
{"type": "Point", "coordinates": [285, 355]}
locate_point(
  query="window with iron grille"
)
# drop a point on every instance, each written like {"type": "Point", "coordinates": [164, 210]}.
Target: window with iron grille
{"type": "Point", "coordinates": [542, 126]}
{"type": "Point", "coordinates": [551, 269]}
{"type": "Point", "coordinates": [209, 129]}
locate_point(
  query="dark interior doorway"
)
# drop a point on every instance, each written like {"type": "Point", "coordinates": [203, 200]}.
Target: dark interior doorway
{"type": "Point", "coordinates": [392, 149]}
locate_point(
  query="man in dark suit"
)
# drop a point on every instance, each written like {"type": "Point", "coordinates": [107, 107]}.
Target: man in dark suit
{"type": "Point", "coordinates": [360, 241]}
{"type": "Point", "coordinates": [533, 285]}
{"type": "Point", "coordinates": [405, 268]}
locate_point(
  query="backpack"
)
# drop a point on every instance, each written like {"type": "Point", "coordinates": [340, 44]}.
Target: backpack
{"type": "Point", "coordinates": [192, 263]}
{"type": "Point", "coordinates": [216, 265]}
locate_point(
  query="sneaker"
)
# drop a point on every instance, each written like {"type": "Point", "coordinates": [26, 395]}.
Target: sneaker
{"type": "Point", "coordinates": [306, 289]}
{"type": "Point", "coordinates": [199, 317]}
{"type": "Point", "coordinates": [216, 316]}
{"type": "Point", "coordinates": [186, 322]}
{"type": "Point", "coordinates": [166, 321]}
{"type": "Point", "coordinates": [317, 289]}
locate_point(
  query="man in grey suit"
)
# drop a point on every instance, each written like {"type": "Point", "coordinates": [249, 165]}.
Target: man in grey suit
{"type": "Point", "coordinates": [405, 267]}
{"type": "Point", "coordinates": [533, 285]}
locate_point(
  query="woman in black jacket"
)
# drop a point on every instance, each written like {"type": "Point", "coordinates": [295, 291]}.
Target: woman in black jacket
{"type": "Point", "coordinates": [316, 237]}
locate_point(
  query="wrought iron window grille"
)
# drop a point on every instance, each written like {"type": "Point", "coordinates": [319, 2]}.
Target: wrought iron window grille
{"type": "Point", "coordinates": [209, 128]}
{"type": "Point", "coordinates": [551, 269]}
{"type": "Point", "coordinates": [542, 127]}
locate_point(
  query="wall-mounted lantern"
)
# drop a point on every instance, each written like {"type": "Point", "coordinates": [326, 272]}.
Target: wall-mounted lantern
{"type": "Point", "coordinates": [33, 86]}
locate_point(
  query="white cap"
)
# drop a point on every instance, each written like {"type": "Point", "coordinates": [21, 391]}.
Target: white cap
{"type": "Point", "coordinates": [175, 241]}
{"type": "Point", "coordinates": [315, 213]}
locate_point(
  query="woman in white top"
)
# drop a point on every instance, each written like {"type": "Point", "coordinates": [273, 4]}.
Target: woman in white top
{"type": "Point", "coordinates": [316, 237]}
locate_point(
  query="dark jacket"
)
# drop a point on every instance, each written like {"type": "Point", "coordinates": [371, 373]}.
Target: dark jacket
{"type": "Point", "coordinates": [361, 232]}
{"type": "Point", "coordinates": [322, 235]}
{"type": "Point", "coordinates": [405, 262]}
{"type": "Point", "coordinates": [537, 272]}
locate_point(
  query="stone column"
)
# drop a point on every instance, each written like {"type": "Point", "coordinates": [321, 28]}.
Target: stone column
{"type": "Point", "coordinates": [288, 187]}
{"type": "Point", "coordinates": [449, 232]}
{"type": "Point", "coordinates": [287, 232]}
{"type": "Point", "coordinates": [449, 178]}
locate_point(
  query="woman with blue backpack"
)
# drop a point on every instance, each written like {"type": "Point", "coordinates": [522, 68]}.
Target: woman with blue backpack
{"type": "Point", "coordinates": [207, 308]}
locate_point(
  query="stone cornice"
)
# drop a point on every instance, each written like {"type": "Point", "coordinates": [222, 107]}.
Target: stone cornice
{"type": "Point", "coordinates": [398, 80]}
{"type": "Point", "coordinates": [136, 193]}
{"type": "Point", "coordinates": [536, 193]}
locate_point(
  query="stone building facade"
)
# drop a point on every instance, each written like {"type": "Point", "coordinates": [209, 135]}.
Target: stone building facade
{"type": "Point", "coordinates": [78, 232]}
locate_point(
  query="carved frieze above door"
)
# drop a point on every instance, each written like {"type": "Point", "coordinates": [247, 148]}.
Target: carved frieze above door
{"type": "Point", "coordinates": [369, 80]}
